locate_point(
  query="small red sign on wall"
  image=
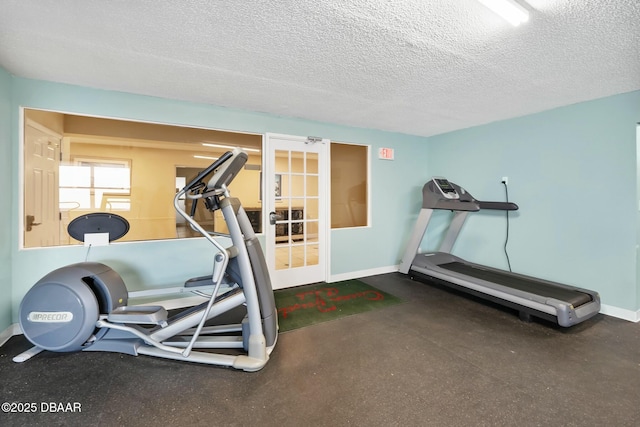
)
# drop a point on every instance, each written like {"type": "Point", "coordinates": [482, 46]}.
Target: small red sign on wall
{"type": "Point", "coordinates": [385, 153]}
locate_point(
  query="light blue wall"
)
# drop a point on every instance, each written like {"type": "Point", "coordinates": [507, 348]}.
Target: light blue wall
{"type": "Point", "coordinates": [168, 263]}
{"type": "Point", "coordinates": [572, 171]}
{"type": "Point", "coordinates": [583, 232]}
{"type": "Point", "coordinates": [5, 208]}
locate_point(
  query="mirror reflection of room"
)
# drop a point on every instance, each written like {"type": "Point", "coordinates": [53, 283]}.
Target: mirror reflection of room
{"type": "Point", "coordinates": [75, 165]}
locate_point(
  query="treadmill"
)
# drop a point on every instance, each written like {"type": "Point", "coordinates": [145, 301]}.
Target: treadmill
{"type": "Point", "coordinates": [563, 304]}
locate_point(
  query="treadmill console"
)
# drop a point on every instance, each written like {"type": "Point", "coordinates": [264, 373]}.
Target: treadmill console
{"type": "Point", "coordinates": [445, 187]}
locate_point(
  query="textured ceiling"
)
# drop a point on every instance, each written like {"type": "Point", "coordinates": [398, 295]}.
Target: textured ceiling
{"type": "Point", "coordinates": [420, 67]}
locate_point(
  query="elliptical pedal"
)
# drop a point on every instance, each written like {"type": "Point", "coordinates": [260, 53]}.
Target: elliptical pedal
{"type": "Point", "coordinates": [140, 315]}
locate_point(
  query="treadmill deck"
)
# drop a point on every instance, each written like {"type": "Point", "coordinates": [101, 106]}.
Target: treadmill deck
{"type": "Point", "coordinates": [571, 296]}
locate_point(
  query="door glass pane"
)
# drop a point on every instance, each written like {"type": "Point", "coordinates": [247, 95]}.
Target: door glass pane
{"type": "Point", "coordinates": [297, 208]}
{"type": "Point", "coordinates": [297, 256]}
{"type": "Point", "coordinates": [282, 161]}
{"type": "Point", "coordinates": [312, 162]}
{"type": "Point", "coordinates": [297, 185]}
{"type": "Point", "coordinates": [312, 254]}
{"type": "Point", "coordinates": [297, 231]}
{"type": "Point", "coordinates": [298, 216]}
{"type": "Point", "coordinates": [282, 257]}
{"type": "Point", "coordinates": [312, 185]}
{"type": "Point", "coordinates": [283, 187]}
{"type": "Point", "coordinates": [311, 212]}
{"type": "Point", "coordinates": [312, 231]}
{"type": "Point", "coordinates": [297, 161]}
{"type": "Point", "coordinates": [282, 226]}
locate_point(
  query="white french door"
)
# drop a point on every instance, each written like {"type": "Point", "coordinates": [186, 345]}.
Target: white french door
{"type": "Point", "coordinates": [296, 206]}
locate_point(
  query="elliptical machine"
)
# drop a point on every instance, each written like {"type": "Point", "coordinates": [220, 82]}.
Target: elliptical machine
{"type": "Point", "coordinates": [83, 307]}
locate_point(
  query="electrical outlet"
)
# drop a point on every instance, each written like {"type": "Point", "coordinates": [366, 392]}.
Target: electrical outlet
{"type": "Point", "coordinates": [505, 180]}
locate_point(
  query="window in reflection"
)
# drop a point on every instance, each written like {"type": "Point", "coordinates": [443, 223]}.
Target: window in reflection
{"type": "Point", "coordinates": [95, 184]}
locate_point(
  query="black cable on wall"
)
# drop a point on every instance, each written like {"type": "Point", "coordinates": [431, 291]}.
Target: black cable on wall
{"type": "Point", "coordinates": [506, 240]}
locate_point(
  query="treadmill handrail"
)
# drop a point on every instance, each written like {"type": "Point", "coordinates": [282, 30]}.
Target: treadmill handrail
{"type": "Point", "coordinates": [498, 206]}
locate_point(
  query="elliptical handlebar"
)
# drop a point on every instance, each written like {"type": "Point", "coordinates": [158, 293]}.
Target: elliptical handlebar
{"type": "Point", "coordinates": [224, 169]}
{"type": "Point", "coordinates": [213, 166]}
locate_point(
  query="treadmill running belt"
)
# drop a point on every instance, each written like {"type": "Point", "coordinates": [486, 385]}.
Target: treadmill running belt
{"type": "Point", "coordinates": [574, 297]}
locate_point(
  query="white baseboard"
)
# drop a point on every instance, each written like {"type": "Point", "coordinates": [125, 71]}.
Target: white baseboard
{"type": "Point", "coordinates": [11, 331]}
{"type": "Point", "coordinates": [620, 313]}
{"type": "Point", "coordinates": [362, 273]}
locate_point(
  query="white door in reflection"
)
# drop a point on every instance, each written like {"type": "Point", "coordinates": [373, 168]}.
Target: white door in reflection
{"type": "Point", "coordinates": [41, 173]}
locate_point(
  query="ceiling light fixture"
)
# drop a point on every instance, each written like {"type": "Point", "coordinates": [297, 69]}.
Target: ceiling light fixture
{"type": "Point", "coordinates": [509, 10]}
{"type": "Point", "coordinates": [205, 157]}
{"type": "Point", "coordinates": [206, 144]}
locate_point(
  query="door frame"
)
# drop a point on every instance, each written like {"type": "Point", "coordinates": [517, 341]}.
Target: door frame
{"type": "Point", "coordinates": [324, 181]}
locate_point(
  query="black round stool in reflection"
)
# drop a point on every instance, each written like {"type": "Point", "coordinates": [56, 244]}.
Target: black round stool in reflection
{"type": "Point", "coordinates": [99, 222]}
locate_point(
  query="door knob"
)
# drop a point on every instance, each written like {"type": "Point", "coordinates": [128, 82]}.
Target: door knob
{"type": "Point", "coordinates": [273, 217]}
{"type": "Point", "coordinates": [31, 223]}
